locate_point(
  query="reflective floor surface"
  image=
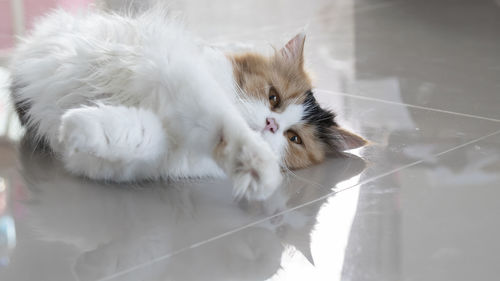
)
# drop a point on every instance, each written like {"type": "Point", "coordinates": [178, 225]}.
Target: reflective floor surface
{"type": "Point", "coordinates": [419, 79]}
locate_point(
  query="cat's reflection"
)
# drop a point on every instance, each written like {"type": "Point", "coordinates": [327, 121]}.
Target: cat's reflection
{"type": "Point", "coordinates": [116, 227]}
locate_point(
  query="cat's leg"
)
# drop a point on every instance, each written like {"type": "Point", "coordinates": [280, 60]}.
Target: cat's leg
{"type": "Point", "coordinates": [112, 142]}
{"type": "Point", "coordinates": [247, 159]}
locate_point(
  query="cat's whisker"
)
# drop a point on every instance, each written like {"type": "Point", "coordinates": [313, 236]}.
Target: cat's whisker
{"type": "Point", "coordinates": [295, 99]}
{"type": "Point", "coordinates": [322, 119]}
{"type": "Point", "coordinates": [305, 180]}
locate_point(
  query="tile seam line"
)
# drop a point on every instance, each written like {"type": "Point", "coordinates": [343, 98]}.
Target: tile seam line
{"type": "Point", "coordinates": [411, 105]}
{"type": "Point", "coordinates": [230, 232]}
{"type": "Point", "coordinates": [418, 161]}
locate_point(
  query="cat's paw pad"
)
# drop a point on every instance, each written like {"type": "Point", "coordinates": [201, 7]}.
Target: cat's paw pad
{"type": "Point", "coordinates": [255, 172]}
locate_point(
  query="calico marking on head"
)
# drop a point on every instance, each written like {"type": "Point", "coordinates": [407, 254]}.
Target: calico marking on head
{"type": "Point", "coordinates": [283, 108]}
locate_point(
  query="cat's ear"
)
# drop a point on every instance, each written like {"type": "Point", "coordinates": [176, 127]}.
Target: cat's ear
{"type": "Point", "coordinates": [305, 248]}
{"type": "Point", "coordinates": [293, 51]}
{"type": "Point", "coordinates": [301, 240]}
{"type": "Point", "coordinates": [345, 140]}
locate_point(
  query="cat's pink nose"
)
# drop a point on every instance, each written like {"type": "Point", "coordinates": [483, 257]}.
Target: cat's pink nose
{"type": "Point", "coordinates": [271, 125]}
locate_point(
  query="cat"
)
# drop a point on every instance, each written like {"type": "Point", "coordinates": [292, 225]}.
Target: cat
{"type": "Point", "coordinates": [129, 97]}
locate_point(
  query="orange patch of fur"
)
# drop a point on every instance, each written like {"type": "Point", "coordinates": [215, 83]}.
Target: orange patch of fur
{"type": "Point", "coordinates": [255, 74]}
{"type": "Point", "coordinates": [311, 151]}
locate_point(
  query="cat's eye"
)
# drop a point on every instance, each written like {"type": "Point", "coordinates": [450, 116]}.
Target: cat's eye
{"type": "Point", "coordinates": [274, 98]}
{"type": "Point", "coordinates": [293, 137]}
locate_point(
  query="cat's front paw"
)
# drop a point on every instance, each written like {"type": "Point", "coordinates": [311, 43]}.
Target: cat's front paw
{"type": "Point", "coordinates": [80, 133]}
{"type": "Point", "coordinates": [255, 170]}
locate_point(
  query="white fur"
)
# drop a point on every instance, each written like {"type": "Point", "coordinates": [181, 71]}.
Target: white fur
{"type": "Point", "coordinates": [255, 113]}
{"type": "Point", "coordinates": [127, 98]}
{"type": "Point", "coordinates": [122, 143]}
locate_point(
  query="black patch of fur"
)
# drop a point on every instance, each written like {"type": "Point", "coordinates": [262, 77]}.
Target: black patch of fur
{"type": "Point", "coordinates": [321, 119]}
{"type": "Point", "coordinates": [22, 106]}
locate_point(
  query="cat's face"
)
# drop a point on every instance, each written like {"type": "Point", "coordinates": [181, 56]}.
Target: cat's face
{"type": "Point", "coordinates": [277, 101]}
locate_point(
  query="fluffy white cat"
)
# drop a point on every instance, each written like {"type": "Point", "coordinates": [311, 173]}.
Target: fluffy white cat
{"type": "Point", "coordinates": [130, 97]}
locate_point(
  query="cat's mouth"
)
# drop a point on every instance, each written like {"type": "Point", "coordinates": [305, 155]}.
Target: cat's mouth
{"type": "Point", "coordinates": [256, 128]}
{"type": "Point", "coordinates": [262, 130]}
{"type": "Point", "coordinates": [259, 129]}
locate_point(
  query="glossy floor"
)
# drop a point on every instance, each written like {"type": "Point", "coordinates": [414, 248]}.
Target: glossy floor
{"type": "Point", "coordinates": [419, 79]}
